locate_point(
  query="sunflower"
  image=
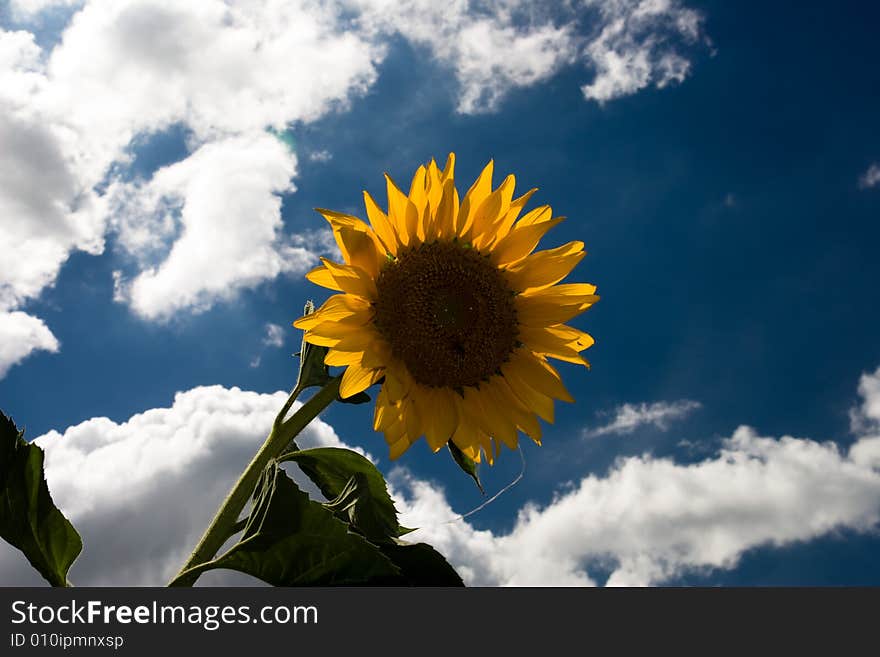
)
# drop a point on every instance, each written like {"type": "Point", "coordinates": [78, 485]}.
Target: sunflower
{"type": "Point", "coordinates": [448, 306]}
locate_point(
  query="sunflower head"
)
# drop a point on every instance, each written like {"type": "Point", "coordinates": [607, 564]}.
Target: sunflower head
{"type": "Point", "coordinates": [446, 302]}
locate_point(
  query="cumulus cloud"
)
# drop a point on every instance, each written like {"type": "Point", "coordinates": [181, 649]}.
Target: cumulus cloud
{"type": "Point", "coordinates": [320, 156]}
{"type": "Point", "coordinates": [628, 417]}
{"type": "Point", "coordinates": [24, 10]}
{"type": "Point", "coordinates": [653, 519]}
{"type": "Point", "coordinates": [122, 71]}
{"type": "Point", "coordinates": [227, 195]}
{"type": "Point", "coordinates": [46, 210]}
{"type": "Point", "coordinates": [492, 48]}
{"type": "Point", "coordinates": [865, 421]}
{"type": "Point", "coordinates": [20, 335]}
{"type": "Point", "coordinates": [871, 177]}
{"type": "Point", "coordinates": [274, 336]}
{"type": "Point", "coordinates": [646, 520]}
{"type": "Point", "coordinates": [499, 46]}
{"type": "Point", "coordinates": [142, 491]}
{"type": "Point", "coordinates": [636, 46]}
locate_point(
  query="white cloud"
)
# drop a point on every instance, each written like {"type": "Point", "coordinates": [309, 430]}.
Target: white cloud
{"type": "Point", "coordinates": [628, 417]}
{"type": "Point", "coordinates": [871, 177]}
{"type": "Point", "coordinates": [24, 10]}
{"type": "Point", "coordinates": [225, 71]}
{"type": "Point", "coordinates": [128, 68]}
{"type": "Point", "coordinates": [21, 335]}
{"type": "Point", "coordinates": [491, 47]}
{"type": "Point", "coordinates": [652, 519]}
{"type": "Point", "coordinates": [498, 46]}
{"type": "Point", "coordinates": [647, 520]}
{"type": "Point", "coordinates": [230, 212]}
{"type": "Point", "coordinates": [274, 336]}
{"type": "Point", "coordinates": [635, 46]}
{"type": "Point", "coordinates": [44, 208]}
{"type": "Point", "coordinates": [320, 156]}
{"type": "Point", "coordinates": [142, 491]}
{"type": "Point", "coordinates": [865, 420]}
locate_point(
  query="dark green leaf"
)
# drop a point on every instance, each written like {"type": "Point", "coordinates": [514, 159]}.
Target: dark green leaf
{"type": "Point", "coordinates": [29, 519]}
{"type": "Point", "coordinates": [332, 468]}
{"type": "Point", "coordinates": [312, 370]}
{"type": "Point", "coordinates": [466, 463]}
{"type": "Point", "coordinates": [359, 398]}
{"type": "Point", "coordinates": [421, 565]}
{"type": "Point", "coordinates": [290, 540]}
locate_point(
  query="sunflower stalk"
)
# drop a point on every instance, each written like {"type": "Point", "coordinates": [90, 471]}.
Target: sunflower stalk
{"type": "Point", "coordinates": [280, 440]}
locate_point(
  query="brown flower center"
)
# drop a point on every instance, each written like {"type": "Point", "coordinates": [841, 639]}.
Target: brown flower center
{"type": "Point", "coordinates": [447, 313]}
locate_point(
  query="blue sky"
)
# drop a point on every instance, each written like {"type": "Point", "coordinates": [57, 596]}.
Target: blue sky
{"type": "Point", "coordinates": [721, 179]}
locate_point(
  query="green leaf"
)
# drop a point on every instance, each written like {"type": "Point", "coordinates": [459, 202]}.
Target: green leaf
{"type": "Point", "coordinates": [290, 540]}
{"type": "Point", "coordinates": [466, 463]}
{"type": "Point", "coordinates": [421, 565]}
{"type": "Point", "coordinates": [29, 519]}
{"type": "Point", "coordinates": [358, 398]}
{"type": "Point", "coordinates": [312, 370]}
{"type": "Point", "coordinates": [371, 509]}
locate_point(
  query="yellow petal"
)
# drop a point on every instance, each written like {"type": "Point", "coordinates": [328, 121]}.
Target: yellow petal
{"type": "Point", "coordinates": [575, 338]}
{"type": "Point", "coordinates": [341, 336]}
{"type": "Point", "coordinates": [336, 358]}
{"type": "Point", "coordinates": [568, 293]}
{"type": "Point", "coordinates": [379, 221]}
{"type": "Point", "coordinates": [378, 354]}
{"type": "Point", "coordinates": [524, 417]}
{"type": "Point", "coordinates": [492, 418]}
{"type": "Point", "coordinates": [434, 186]}
{"type": "Point", "coordinates": [449, 169]}
{"type": "Point", "coordinates": [491, 448]}
{"type": "Point", "coordinates": [467, 438]}
{"type": "Point", "coordinates": [385, 413]}
{"type": "Point", "coordinates": [542, 340]}
{"type": "Point", "coordinates": [447, 210]}
{"type": "Point", "coordinates": [320, 275]}
{"type": "Point", "coordinates": [478, 192]}
{"type": "Point", "coordinates": [358, 244]}
{"type": "Point", "coordinates": [488, 216]}
{"type": "Point", "coordinates": [357, 379]}
{"type": "Point", "coordinates": [539, 375]}
{"type": "Point", "coordinates": [396, 383]}
{"type": "Point", "coordinates": [418, 189]}
{"type": "Point", "coordinates": [340, 219]}
{"type": "Point", "coordinates": [352, 279]}
{"type": "Point", "coordinates": [521, 241]}
{"type": "Point", "coordinates": [363, 249]}
{"type": "Point", "coordinates": [536, 216]}
{"type": "Point", "coordinates": [540, 311]}
{"type": "Point", "coordinates": [544, 268]}
{"type": "Point", "coordinates": [531, 398]}
{"type": "Point", "coordinates": [320, 340]}
{"type": "Point", "coordinates": [396, 449]}
{"type": "Point", "coordinates": [402, 213]}
{"type": "Point", "coordinates": [516, 207]}
{"type": "Point", "coordinates": [411, 418]}
{"type": "Point", "coordinates": [395, 430]}
{"type": "Point", "coordinates": [440, 417]}
{"type": "Point", "coordinates": [339, 328]}
{"type": "Point", "coordinates": [337, 307]}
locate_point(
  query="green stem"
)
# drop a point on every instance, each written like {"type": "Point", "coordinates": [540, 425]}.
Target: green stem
{"type": "Point", "coordinates": [282, 433]}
